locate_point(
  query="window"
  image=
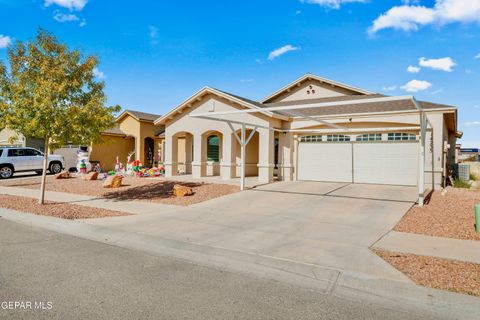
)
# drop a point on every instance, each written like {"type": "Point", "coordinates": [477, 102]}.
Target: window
{"type": "Point", "coordinates": [337, 138]}
{"type": "Point", "coordinates": [315, 138]}
{"type": "Point", "coordinates": [16, 153]}
{"type": "Point", "coordinates": [213, 148]}
{"type": "Point", "coordinates": [370, 137]}
{"type": "Point", "coordinates": [32, 152]}
{"type": "Point", "coordinates": [401, 136]}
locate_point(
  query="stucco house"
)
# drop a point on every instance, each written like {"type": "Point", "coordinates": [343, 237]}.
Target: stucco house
{"type": "Point", "coordinates": [319, 135]}
{"type": "Point", "coordinates": [13, 139]}
{"type": "Point", "coordinates": [134, 132]}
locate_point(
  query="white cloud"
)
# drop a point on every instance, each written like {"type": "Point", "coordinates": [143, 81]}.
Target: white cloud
{"type": "Point", "coordinates": [472, 123]}
{"type": "Point", "coordinates": [99, 74]}
{"type": "Point", "coordinates": [410, 17]}
{"type": "Point", "coordinates": [5, 41]}
{"type": "Point", "coordinates": [477, 56]}
{"type": "Point", "coordinates": [416, 85]}
{"type": "Point", "coordinates": [444, 64]}
{"type": "Point", "coordinates": [333, 4]}
{"type": "Point", "coordinates": [390, 88]}
{"type": "Point", "coordinates": [413, 69]}
{"type": "Point", "coordinates": [61, 17]}
{"type": "Point", "coordinates": [69, 4]}
{"type": "Point", "coordinates": [280, 51]}
{"type": "Point", "coordinates": [298, 12]}
{"type": "Point", "coordinates": [153, 32]}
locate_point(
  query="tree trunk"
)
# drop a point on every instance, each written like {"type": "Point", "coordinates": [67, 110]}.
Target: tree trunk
{"type": "Point", "coordinates": [41, 200]}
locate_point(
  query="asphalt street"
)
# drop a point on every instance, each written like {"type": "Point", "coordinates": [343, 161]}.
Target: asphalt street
{"type": "Point", "coordinates": [46, 275]}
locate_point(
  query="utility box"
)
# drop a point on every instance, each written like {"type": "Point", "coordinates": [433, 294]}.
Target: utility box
{"type": "Point", "coordinates": [464, 171]}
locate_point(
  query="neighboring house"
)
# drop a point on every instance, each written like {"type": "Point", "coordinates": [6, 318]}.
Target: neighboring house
{"type": "Point", "coordinates": [469, 154]}
{"type": "Point", "coordinates": [379, 145]}
{"type": "Point", "coordinates": [11, 138]}
{"type": "Point", "coordinates": [134, 133]}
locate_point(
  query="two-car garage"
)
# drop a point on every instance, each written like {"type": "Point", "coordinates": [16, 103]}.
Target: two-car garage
{"type": "Point", "coordinates": [373, 158]}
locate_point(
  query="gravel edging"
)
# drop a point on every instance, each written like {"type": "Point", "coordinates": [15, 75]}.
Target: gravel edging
{"type": "Point", "coordinates": [56, 209]}
{"type": "Point", "coordinates": [451, 275]}
{"type": "Point", "coordinates": [450, 215]}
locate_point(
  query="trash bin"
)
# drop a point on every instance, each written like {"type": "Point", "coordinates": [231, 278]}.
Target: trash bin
{"type": "Point", "coordinates": [477, 218]}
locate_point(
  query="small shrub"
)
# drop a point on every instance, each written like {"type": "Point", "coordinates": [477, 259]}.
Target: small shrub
{"type": "Point", "coordinates": [473, 177]}
{"type": "Point", "coordinates": [457, 183]}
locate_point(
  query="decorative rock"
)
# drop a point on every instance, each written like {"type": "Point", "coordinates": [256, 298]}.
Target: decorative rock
{"type": "Point", "coordinates": [182, 191]}
{"type": "Point", "coordinates": [62, 175]}
{"type": "Point", "coordinates": [91, 176]}
{"type": "Point", "coordinates": [113, 182]}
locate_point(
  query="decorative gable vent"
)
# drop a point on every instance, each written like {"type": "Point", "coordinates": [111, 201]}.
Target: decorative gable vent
{"type": "Point", "coordinates": [310, 90]}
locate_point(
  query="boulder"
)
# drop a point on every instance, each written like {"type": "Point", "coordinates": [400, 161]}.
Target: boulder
{"type": "Point", "coordinates": [91, 176]}
{"type": "Point", "coordinates": [62, 175]}
{"type": "Point", "coordinates": [182, 191]}
{"type": "Point", "coordinates": [113, 182]}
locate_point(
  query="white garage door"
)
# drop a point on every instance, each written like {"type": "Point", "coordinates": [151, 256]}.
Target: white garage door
{"type": "Point", "coordinates": [393, 163]}
{"type": "Point", "coordinates": [325, 162]}
{"type": "Point", "coordinates": [386, 163]}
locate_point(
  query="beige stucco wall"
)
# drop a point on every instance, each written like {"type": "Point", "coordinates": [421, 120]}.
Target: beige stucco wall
{"type": "Point", "coordinates": [304, 91]}
{"type": "Point", "coordinates": [111, 147]}
{"type": "Point", "coordinates": [198, 127]}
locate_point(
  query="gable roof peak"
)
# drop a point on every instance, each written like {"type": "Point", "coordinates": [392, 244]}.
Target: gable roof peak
{"type": "Point", "coordinates": [308, 76]}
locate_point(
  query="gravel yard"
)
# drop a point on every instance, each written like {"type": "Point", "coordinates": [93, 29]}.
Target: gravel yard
{"type": "Point", "coordinates": [146, 189]}
{"type": "Point", "coordinates": [437, 273]}
{"type": "Point", "coordinates": [55, 209]}
{"type": "Point", "coordinates": [450, 216]}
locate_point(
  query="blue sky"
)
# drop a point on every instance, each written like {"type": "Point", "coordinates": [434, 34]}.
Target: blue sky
{"type": "Point", "coordinates": [154, 54]}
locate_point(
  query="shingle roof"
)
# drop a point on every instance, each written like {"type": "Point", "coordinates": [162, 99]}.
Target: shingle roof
{"type": "Point", "coordinates": [255, 103]}
{"type": "Point", "coordinates": [114, 130]}
{"type": "Point", "coordinates": [386, 106]}
{"type": "Point", "coordinates": [143, 115]}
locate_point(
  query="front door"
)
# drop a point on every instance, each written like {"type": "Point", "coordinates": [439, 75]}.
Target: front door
{"type": "Point", "coordinates": [148, 152]}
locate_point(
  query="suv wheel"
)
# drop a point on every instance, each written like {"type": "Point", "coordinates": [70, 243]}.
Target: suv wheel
{"type": "Point", "coordinates": [55, 167]}
{"type": "Point", "coordinates": [6, 172]}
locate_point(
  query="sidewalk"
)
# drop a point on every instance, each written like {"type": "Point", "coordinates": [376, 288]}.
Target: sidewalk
{"type": "Point", "coordinates": [388, 293]}
{"type": "Point", "coordinates": [132, 207]}
{"type": "Point", "coordinates": [446, 248]}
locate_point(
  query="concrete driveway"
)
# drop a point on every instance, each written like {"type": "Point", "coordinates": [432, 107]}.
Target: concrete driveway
{"type": "Point", "coordinates": [314, 223]}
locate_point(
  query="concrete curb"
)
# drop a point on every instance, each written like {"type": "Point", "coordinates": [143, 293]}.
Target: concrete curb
{"type": "Point", "coordinates": [402, 296]}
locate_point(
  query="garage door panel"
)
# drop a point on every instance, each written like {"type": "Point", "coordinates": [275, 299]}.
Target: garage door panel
{"type": "Point", "coordinates": [386, 163]}
{"type": "Point", "coordinates": [325, 162]}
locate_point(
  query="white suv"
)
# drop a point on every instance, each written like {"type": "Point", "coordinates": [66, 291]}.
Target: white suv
{"type": "Point", "coordinates": [27, 159]}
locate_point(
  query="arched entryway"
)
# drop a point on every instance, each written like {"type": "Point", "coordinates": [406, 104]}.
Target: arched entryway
{"type": "Point", "coordinates": [182, 153]}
